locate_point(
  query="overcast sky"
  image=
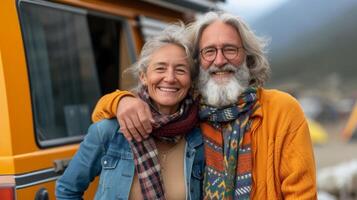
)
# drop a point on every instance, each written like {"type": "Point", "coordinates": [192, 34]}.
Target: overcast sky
{"type": "Point", "coordinates": [250, 10]}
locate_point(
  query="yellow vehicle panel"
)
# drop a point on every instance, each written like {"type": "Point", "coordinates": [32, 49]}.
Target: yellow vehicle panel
{"type": "Point", "coordinates": [35, 58]}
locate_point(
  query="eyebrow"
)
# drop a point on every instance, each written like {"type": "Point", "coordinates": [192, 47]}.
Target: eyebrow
{"type": "Point", "coordinates": [176, 62]}
{"type": "Point", "coordinates": [182, 65]}
{"type": "Point", "coordinates": [160, 63]}
{"type": "Point", "coordinates": [224, 45]}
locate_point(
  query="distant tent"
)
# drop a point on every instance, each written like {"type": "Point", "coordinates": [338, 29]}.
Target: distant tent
{"type": "Point", "coordinates": [317, 132]}
{"type": "Point", "coordinates": [350, 130]}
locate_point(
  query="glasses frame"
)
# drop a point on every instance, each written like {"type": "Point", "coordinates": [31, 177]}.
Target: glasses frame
{"type": "Point", "coordinates": [222, 51]}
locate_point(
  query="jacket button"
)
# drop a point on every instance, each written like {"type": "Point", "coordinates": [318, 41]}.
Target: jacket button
{"type": "Point", "coordinates": [105, 162]}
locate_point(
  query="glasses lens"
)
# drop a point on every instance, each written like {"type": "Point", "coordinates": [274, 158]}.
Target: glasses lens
{"type": "Point", "coordinates": [230, 52]}
{"type": "Point", "coordinates": [209, 54]}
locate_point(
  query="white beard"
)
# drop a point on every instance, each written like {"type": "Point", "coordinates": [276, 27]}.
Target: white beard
{"type": "Point", "coordinates": [225, 93]}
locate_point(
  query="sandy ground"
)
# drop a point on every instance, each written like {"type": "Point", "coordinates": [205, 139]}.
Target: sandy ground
{"type": "Point", "coordinates": [335, 151]}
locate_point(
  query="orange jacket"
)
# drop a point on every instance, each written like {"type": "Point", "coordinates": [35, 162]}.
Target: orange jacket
{"type": "Point", "coordinates": [283, 160]}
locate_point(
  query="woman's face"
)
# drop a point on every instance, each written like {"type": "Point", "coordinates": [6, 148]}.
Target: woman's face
{"type": "Point", "coordinates": [167, 77]}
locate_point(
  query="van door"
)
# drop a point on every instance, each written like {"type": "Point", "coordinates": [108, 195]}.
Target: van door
{"type": "Point", "coordinates": [73, 56]}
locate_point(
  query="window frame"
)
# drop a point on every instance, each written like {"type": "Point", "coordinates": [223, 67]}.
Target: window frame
{"type": "Point", "coordinates": [125, 29]}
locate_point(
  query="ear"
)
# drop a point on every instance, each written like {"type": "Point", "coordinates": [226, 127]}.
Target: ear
{"type": "Point", "coordinates": [142, 78]}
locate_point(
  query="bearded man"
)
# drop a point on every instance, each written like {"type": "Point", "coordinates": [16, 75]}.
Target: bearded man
{"type": "Point", "coordinates": [257, 141]}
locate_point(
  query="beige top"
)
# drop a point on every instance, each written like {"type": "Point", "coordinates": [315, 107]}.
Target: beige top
{"type": "Point", "coordinates": [171, 158]}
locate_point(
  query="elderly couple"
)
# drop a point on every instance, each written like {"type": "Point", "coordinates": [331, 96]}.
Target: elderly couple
{"type": "Point", "coordinates": [199, 125]}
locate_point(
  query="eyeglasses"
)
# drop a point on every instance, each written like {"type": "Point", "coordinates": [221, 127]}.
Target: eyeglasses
{"type": "Point", "coordinates": [229, 52]}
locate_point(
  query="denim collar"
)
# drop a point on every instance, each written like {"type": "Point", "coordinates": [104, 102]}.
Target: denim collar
{"type": "Point", "coordinates": [194, 138]}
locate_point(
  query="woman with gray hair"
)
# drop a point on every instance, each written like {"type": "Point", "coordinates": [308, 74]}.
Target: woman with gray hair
{"type": "Point", "coordinates": [166, 165]}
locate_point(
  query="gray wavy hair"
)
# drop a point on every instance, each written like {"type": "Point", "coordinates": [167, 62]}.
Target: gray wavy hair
{"type": "Point", "coordinates": [174, 34]}
{"type": "Point", "coordinates": [254, 46]}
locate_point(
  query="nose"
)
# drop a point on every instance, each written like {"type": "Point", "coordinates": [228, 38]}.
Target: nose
{"type": "Point", "coordinates": [170, 76]}
{"type": "Point", "coordinates": [220, 59]}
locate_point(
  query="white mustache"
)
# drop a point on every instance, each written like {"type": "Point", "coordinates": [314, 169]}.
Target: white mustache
{"type": "Point", "coordinates": [225, 68]}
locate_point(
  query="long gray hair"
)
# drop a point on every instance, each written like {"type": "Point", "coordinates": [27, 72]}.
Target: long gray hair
{"type": "Point", "coordinates": [173, 34]}
{"type": "Point", "coordinates": [254, 46]}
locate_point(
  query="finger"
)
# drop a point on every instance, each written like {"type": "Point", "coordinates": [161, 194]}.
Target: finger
{"type": "Point", "coordinates": [132, 130]}
{"type": "Point", "coordinates": [146, 126]}
{"type": "Point", "coordinates": [138, 124]}
{"type": "Point", "coordinates": [123, 129]}
{"type": "Point", "coordinates": [149, 114]}
{"type": "Point", "coordinates": [148, 121]}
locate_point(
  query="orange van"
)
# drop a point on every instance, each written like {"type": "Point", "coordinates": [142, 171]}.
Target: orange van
{"type": "Point", "coordinates": [56, 59]}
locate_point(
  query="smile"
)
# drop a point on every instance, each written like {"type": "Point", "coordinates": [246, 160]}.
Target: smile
{"type": "Point", "coordinates": [221, 72]}
{"type": "Point", "coordinates": [166, 89]}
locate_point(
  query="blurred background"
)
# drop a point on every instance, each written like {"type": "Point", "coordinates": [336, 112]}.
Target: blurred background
{"type": "Point", "coordinates": [312, 51]}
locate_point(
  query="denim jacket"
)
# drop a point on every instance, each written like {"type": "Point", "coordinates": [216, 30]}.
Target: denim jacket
{"type": "Point", "coordinates": [105, 152]}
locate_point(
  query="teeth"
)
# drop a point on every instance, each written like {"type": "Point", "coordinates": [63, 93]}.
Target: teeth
{"type": "Point", "coordinates": [168, 89]}
{"type": "Point", "coordinates": [221, 72]}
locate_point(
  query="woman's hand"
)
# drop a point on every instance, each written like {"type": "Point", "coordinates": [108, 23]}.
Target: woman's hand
{"type": "Point", "coordinates": [134, 117]}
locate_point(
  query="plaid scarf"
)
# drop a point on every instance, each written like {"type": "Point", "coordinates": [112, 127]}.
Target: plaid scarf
{"type": "Point", "coordinates": [232, 177]}
{"type": "Point", "coordinates": [166, 127]}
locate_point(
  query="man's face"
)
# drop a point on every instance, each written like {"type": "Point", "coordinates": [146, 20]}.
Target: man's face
{"type": "Point", "coordinates": [220, 35]}
{"type": "Point", "coordinates": [224, 74]}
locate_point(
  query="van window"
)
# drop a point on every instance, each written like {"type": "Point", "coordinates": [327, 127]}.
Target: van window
{"type": "Point", "coordinates": [72, 58]}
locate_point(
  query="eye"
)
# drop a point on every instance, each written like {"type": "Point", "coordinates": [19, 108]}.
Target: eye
{"type": "Point", "coordinates": [159, 68]}
{"type": "Point", "coordinates": [231, 50]}
{"type": "Point", "coordinates": [181, 70]}
{"type": "Point", "coordinates": [209, 51]}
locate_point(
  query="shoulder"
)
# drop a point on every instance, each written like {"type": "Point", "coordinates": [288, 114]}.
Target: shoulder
{"type": "Point", "coordinates": [281, 105]}
{"type": "Point", "coordinates": [104, 130]}
{"type": "Point", "coordinates": [281, 109]}
{"type": "Point", "coordinates": [273, 96]}
{"type": "Point", "coordinates": [105, 126]}
{"type": "Point", "coordinates": [279, 101]}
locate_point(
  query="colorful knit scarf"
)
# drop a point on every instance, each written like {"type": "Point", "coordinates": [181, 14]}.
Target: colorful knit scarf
{"type": "Point", "coordinates": [227, 140]}
{"type": "Point", "coordinates": [166, 127]}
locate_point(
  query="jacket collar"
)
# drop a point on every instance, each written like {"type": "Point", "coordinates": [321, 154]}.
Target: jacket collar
{"type": "Point", "coordinates": [194, 138]}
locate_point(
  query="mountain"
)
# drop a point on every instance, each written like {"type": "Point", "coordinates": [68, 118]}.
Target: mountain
{"type": "Point", "coordinates": [313, 43]}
